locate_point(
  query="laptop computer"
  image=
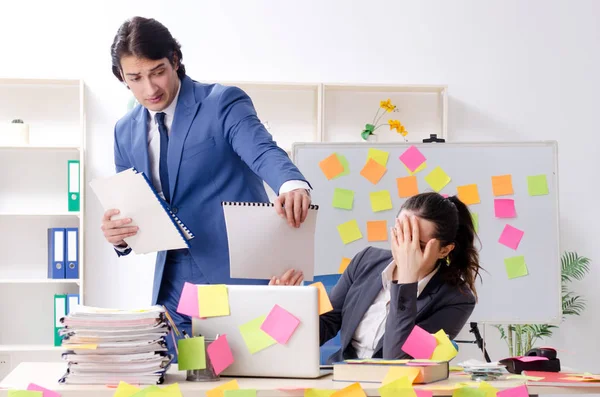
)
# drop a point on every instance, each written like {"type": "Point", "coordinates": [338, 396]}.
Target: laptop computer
{"type": "Point", "coordinates": [298, 358]}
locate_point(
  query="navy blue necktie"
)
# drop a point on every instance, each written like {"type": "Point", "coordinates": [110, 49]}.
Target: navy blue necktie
{"type": "Point", "coordinates": [164, 146]}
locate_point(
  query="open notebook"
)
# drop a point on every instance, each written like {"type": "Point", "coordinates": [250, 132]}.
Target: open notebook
{"type": "Point", "coordinates": [263, 245]}
{"type": "Point", "coordinates": [132, 193]}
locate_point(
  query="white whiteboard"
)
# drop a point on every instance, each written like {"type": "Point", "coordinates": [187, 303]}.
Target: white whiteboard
{"type": "Point", "coordinates": [534, 298]}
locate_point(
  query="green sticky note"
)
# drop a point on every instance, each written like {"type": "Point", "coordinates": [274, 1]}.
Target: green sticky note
{"type": "Point", "coordinates": [475, 219]}
{"type": "Point", "coordinates": [349, 231]}
{"type": "Point", "coordinates": [379, 156]}
{"type": "Point", "coordinates": [343, 198]}
{"type": "Point", "coordinates": [256, 339]}
{"type": "Point", "coordinates": [24, 393]}
{"type": "Point", "coordinates": [381, 200]}
{"type": "Point", "coordinates": [468, 392]}
{"type": "Point", "coordinates": [537, 185]}
{"type": "Point", "coordinates": [344, 161]}
{"type": "Point", "coordinates": [515, 266]}
{"type": "Point", "coordinates": [437, 179]}
{"type": "Point", "coordinates": [192, 353]}
{"type": "Point", "coordinates": [240, 393]}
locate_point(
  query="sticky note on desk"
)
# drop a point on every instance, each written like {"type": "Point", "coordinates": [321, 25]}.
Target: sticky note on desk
{"type": "Point", "coordinates": [520, 391]}
{"type": "Point", "coordinates": [255, 338]}
{"type": "Point", "coordinates": [373, 171]}
{"type": "Point", "coordinates": [349, 231]}
{"type": "Point", "coordinates": [344, 162]}
{"type": "Point", "coordinates": [504, 208]}
{"type": "Point", "coordinates": [124, 389]}
{"type": "Point", "coordinates": [511, 237]}
{"type": "Point", "coordinates": [155, 391]}
{"type": "Point", "coordinates": [437, 179]}
{"type": "Point", "coordinates": [24, 393]}
{"type": "Point", "coordinates": [502, 185]}
{"type": "Point", "coordinates": [280, 324]}
{"type": "Point", "coordinates": [354, 390]}
{"type": "Point", "coordinates": [220, 354]}
{"type": "Point", "coordinates": [318, 392]}
{"type": "Point", "coordinates": [468, 392]}
{"type": "Point", "coordinates": [192, 353]}
{"type": "Point", "coordinates": [516, 266]}
{"type": "Point", "coordinates": [213, 300]}
{"type": "Point", "coordinates": [45, 392]}
{"type": "Point", "coordinates": [412, 158]}
{"type": "Point", "coordinates": [240, 393]}
{"type": "Point", "coordinates": [381, 201]}
{"type": "Point", "coordinates": [399, 387]}
{"type": "Point", "coordinates": [537, 185]}
{"type": "Point", "coordinates": [188, 301]}
{"type": "Point", "coordinates": [407, 186]}
{"type": "Point", "coordinates": [219, 390]}
{"type": "Point", "coordinates": [401, 376]}
{"type": "Point", "coordinates": [445, 350]}
{"type": "Point", "coordinates": [468, 194]}
{"type": "Point", "coordinates": [331, 166]}
{"type": "Point", "coordinates": [489, 390]}
{"type": "Point", "coordinates": [343, 199]}
{"type": "Point", "coordinates": [420, 343]}
{"type": "Point", "coordinates": [379, 156]}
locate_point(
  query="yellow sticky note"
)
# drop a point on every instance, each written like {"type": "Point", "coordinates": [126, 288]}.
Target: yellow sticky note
{"type": "Point", "coordinates": [407, 186]}
{"type": "Point", "coordinates": [24, 393]}
{"type": "Point", "coordinates": [349, 231]}
{"type": "Point", "coordinates": [377, 231]}
{"type": "Point", "coordinates": [468, 194]}
{"type": "Point", "coordinates": [502, 185]}
{"type": "Point", "coordinates": [490, 391]}
{"type": "Point", "coordinates": [324, 302]}
{"type": "Point", "coordinates": [343, 265]}
{"type": "Point", "coordinates": [379, 156]}
{"type": "Point", "coordinates": [445, 350]}
{"type": "Point", "coordinates": [318, 392]}
{"type": "Point", "coordinates": [373, 171]}
{"type": "Point", "coordinates": [219, 390]}
{"type": "Point", "coordinates": [126, 390]}
{"type": "Point", "coordinates": [354, 390]}
{"type": "Point", "coordinates": [419, 168]}
{"type": "Point", "coordinates": [468, 392]}
{"type": "Point", "coordinates": [240, 393]}
{"type": "Point", "coordinates": [255, 338]}
{"type": "Point", "coordinates": [456, 368]}
{"type": "Point", "coordinates": [213, 300]}
{"type": "Point", "coordinates": [401, 387]}
{"type": "Point", "coordinates": [168, 391]}
{"type": "Point", "coordinates": [395, 373]}
{"type": "Point", "coordinates": [437, 179]}
{"type": "Point", "coordinates": [381, 200]}
{"type": "Point", "coordinates": [88, 346]}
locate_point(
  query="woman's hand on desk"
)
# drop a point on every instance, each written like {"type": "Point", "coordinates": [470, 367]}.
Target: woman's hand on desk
{"type": "Point", "coordinates": [410, 257]}
{"type": "Point", "coordinates": [116, 230]}
{"type": "Point", "coordinates": [291, 277]}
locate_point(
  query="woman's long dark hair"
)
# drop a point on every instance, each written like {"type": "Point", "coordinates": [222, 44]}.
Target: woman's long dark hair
{"type": "Point", "coordinates": [454, 225]}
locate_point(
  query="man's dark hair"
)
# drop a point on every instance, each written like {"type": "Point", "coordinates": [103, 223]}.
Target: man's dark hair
{"type": "Point", "coordinates": [145, 38]}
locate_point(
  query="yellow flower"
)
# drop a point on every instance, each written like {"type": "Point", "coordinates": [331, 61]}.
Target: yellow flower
{"type": "Point", "coordinates": [387, 105]}
{"type": "Point", "coordinates": [395, 124]}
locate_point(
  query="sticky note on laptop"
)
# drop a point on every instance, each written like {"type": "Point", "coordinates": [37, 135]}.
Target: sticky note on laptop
{"type": "Point", "coordinates": [188, 301]}
{"type": "Point", "coordinates": [324, 302]}
{"type": "Point", "coordinates": [280, 324]}
{"type": "Point", "coordinates": [213, 300]}
{"type": "Point", "coordinates": [255, 338]}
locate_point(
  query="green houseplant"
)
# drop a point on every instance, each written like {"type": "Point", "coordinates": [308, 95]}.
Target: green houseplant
{"type": "Point", "coordinates": [521, 338]}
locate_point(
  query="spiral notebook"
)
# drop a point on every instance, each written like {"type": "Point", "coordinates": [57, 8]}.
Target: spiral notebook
{"type": "Point", "coordinates": [132, 193]}
{"type": "Point", "coordinates": [263, 245]}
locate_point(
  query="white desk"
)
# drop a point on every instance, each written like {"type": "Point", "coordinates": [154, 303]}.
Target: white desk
{"type": "Point", "coordinates": [47, 375]}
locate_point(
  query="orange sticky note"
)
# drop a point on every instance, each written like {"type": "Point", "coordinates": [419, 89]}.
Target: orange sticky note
{"type": "Point", "coordinates": [354, 390]}
{"type": "Point", "coordinates": [344, 264]}
{"type": "Point", "coordinates": [407, 186]}
{"type": "Point", "coordinates": [373, 171]}
{"type": "Point", "coordinates": [377, 231]}
{"type": "Point", "coordinates": [331, 166]}
{"type": "Point", "coordinates": [324, 302]}
{"type": "Point", "coordinates": [219, 391]}
{"type": "Point", "coordinates": [468, 194]}
{"type": "Point", "coordinates": [502, 185]}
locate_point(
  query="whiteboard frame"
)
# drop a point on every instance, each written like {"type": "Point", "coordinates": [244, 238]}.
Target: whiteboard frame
{"type": "Point", "coordinates": [554, 144]}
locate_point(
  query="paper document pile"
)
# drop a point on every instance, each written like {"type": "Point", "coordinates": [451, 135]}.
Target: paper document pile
{"type": "Point", "coordinates": [104, 346]}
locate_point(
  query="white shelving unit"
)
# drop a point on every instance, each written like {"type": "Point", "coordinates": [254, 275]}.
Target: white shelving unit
{"type": "Point", "coordinates": [33, 198]}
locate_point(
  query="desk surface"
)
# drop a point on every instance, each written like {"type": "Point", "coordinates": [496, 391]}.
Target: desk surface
{"type": "Point", "coordinates": [47, 374]}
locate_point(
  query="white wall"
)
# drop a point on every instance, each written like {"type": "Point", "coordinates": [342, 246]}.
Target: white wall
{"type": "Point", "coordinates": [516, 70]}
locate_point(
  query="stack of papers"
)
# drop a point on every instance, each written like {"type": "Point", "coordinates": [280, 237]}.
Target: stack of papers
{"type": "Point", "coordinates": [106, 346]}
{"type": "Point", "coordinates": [484, 371]}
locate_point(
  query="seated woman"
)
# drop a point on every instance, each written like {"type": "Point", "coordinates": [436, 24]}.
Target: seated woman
{"type": "Point", "coordinates": [427, 279]}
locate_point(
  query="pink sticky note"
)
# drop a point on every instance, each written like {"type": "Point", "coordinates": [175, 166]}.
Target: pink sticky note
{"type": "Point", "coordinates": [220, 354]}
{"type": "Point", "coordinates": [424, 393]}
{"type": "Point", "coordinates": [504, 208]}
{"type": "Point", "coordinates": [45, 392]}
{"type": "Point", "coordinates": [420, 343]}
{"type": "Point", "coordinates": [528, 359]}
{"type": "Point", "coordinates": [520, 391]}
{"type": "Point", "coordinates": [412, 158]}
{"type": "Point", "coordinates": [188, 301]}
{"type": "Point", "coordinates": [511, 237]}
{"type": "Point", "coordinates": [280, 324]}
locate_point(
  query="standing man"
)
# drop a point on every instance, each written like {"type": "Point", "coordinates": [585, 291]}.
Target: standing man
{"type": "Point", "coordinates": [201, 144]}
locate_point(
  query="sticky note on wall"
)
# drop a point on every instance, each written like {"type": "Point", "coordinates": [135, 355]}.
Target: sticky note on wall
{"type": "Point", "coordinates": [537, 185]}
{"type": "Point", "coordinates": [344, 162]}
{"type": "Point", "coordinates": [502, 185]}
{"type": "Point", "coordinates": [475, 219]}
{"type": "Point", "coordinates": [379, 156]}
{"type": "Point", "coordinates": [511, 237]}
{"type": "Point", "coordinates": [516, 267]}
{"type": "Point", "coordinates": [343, 199]}
{"type": "Point", "coordinates": [468, 194]}
{"type": "Point", "coordinates": [381, 200]}
{"type": "Point", "coordinates": [407, 186]}
{"type": "Point", "coordinates": [331, 166]}
{"type": "Point", "coordinates": [373, 171]}
{"type": "Point", "coordinates": [344, 265]}
{"type": "Point", "coordinates": [377, 231]}
{"type": "Point", "coordinates": [504, 208]}
{"type": "Point", "coordinates": [412, 158]}
{"type": "Point", "coordinates": [349, 231]}
{"type": "Point", "coordinates": [437, 179]}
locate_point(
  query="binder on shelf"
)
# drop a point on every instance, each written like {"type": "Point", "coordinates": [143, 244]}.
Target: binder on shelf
{"type": "Point", "coordinates": [72, 253]}
{"type": "Point", "coordinates": [56, 253]}
{"type": "Point", "coordinates": [72, 301]}
{"type": "Point", "coordinates": [73, 185]}
{"type": "Point", "coordinates": [60, 311]}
